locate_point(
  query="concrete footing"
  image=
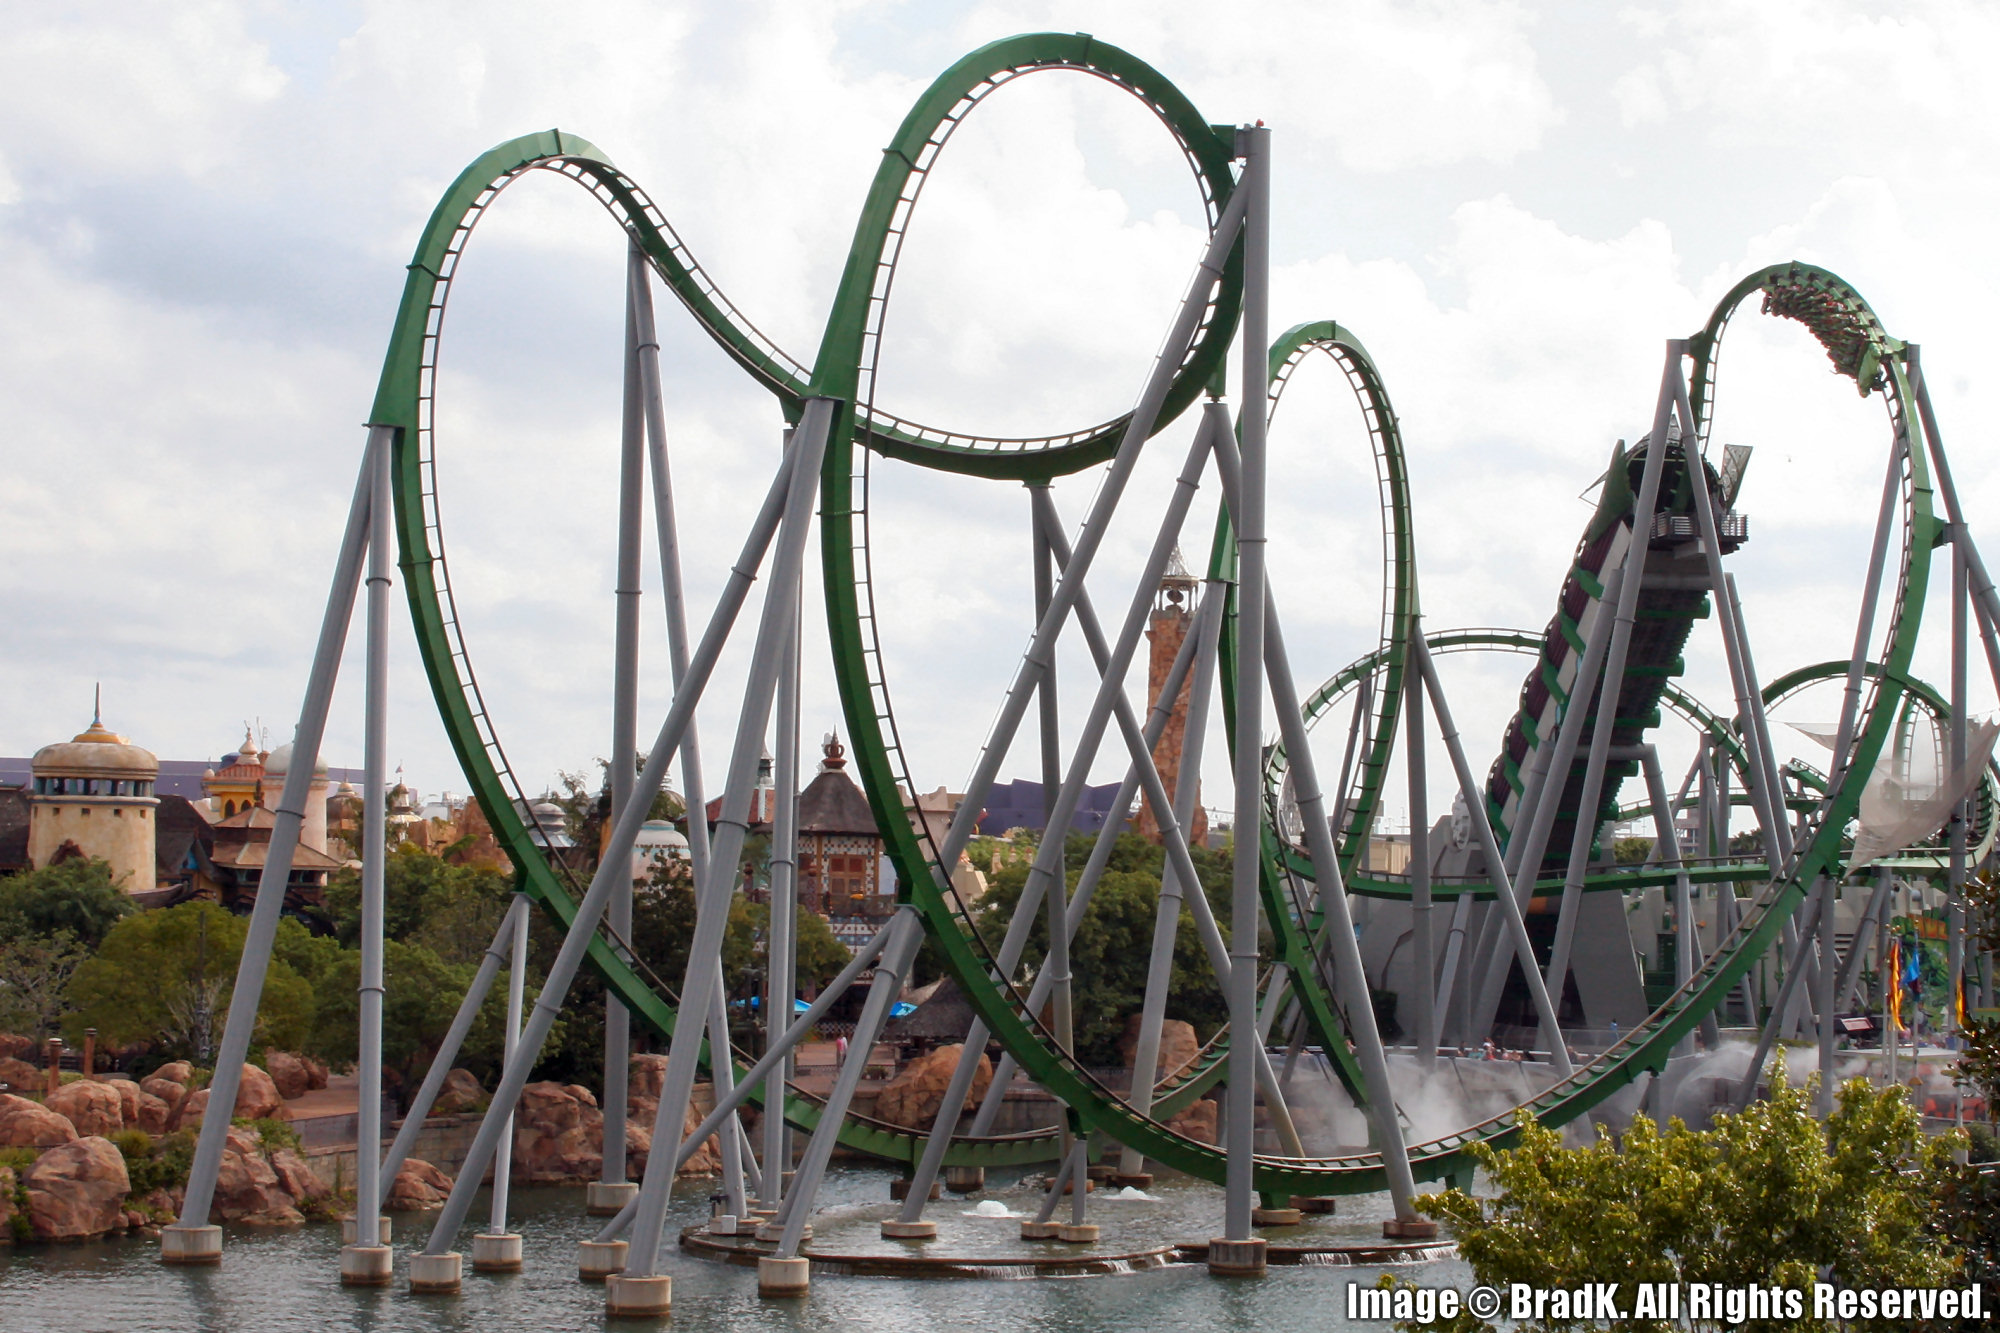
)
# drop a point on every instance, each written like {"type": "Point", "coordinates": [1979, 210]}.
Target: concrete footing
{"type": "Point", "coordinates": [191, 1245]}
{"type": "Point", "coordinates": [497, 1252]}
{"type": "Point", "coordinates": [1101, 1172]}
{"type": "Point", "coordinates": [604, 1200]}
{"type": "Point", "coordinates": [597, 1260]}
{"type": "Point", "coordinates": [1040, 1230]}
{"type": "Point", "coordinates": [965, 1179]}
{"type": "Point", "coordinates": [1314, 1203]}
{"type": "Point", "coordinates": [775, 1231]}
{"type": "Point", "coordinates": [920, 1230]}
{"type": "Point", "coordinates": [1077, 1233]}
{"type": "Point", "coordinates": [1416, 1228]}
{"type": "Point", "coordinates": [1138, 1180]}
{"type": "Point", "coordinates": [350, 1229]}
{"type": "Point", "coordinates": [367, 1265]}
{"type": "Point", "coordinates": [899, 1190]}
{"type": "Point", "coordinates": [1236, 1258]}
{"type": "Point", "coordinates": [437, 1274]}
{"type": "Point", "coordinates": [724, 1224]}
{"type": "Point", "coordinates": [638, 1297]}
{"type": "Point", "coordinates": [1276, 1217]}
{"type": "Point", "coordinates": [783, 1277]}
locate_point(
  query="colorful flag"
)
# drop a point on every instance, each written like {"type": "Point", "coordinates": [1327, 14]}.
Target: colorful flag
{"type": "Point", "coordinates": [1894, 974]}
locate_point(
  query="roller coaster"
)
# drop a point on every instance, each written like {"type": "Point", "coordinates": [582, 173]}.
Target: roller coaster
{"type": "Point", "coordinates": [1526, 843]}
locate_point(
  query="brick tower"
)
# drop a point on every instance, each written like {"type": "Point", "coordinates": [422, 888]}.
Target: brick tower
{"type": "Point", "coordinates": [1173, 614]}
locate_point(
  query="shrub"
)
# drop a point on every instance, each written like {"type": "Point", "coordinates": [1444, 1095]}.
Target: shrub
{"type": "Point", "coordinates": [166, 1164]}
{"type": "Point", "coordinates": [276, 1134]}
{"type": "Point", "coordinates": [1769, 1196]}
{"type": "Point", "coordinates": [19, 1159]}
{"type": "Point", "coordinates": [135, 1145]}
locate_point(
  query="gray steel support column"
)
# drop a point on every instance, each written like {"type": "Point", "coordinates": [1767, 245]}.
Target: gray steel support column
{"type": "Point", "coordinates": [1454, 946]}
{"type": "Point", "coordinates": [1425, 962]}
{"type": "Point", "coordinates": [1961, 811]}
{"type": "Point", "coordinates": [1350, 977]}
{"type": "Point", "coordinates": [1167, 912]}
{"type": "Point", "coordinates": [1767, 794]}
{"type": "Point", "coordinates": [712, 901]}
{"type": "Point", "coordinates": [590, 911]}
{"type": "Point", "coordinates": [1828, 965]}
{"type": "Point", "coordinates": [1239, 1133]}
{"type": "Point", "coordinates": [1348, 969]}
{"type": "Point", "coordinates": [454, 1038]}
{"type": "Point", "coordinates": [1850, 706]}
{"type": "Point", "coordinates": [722, 1070]}
{"type": "Point", "coordinates": [1794, 972]}
{"type": "Point", "coordinates": [780, 986]}
{"type": "Point", "coordinates": [667, 530]}
{"type": "Point", "coordinates": [1687, 936]}
{"type": "Point", "coordinates": [1503, 892]}
{"type": "Point", "coordinates": [1888, 980]}
{"type": "Point", "coordinates": [882, 992]}
{"type": "Point", "coordinates": [1050, 852]}
{"type": "Point", "coordinates": [625, 704]}
{"type": "Point", "coordinates": [1137, 429]}
{"type": "Point", "coordinates": [1086, 885]}
{"type": "Point", "coordinates": [1850, 966]}
{"type": "Point", "coordinates": [726, 1106]}
{"type": "Point", "coordinates": [1523, 862]}
{"type": "Point", "coordinates": [374, 852]}
{"type": "Point", "coordinates": [1364, 699]}
{"type": "Point", "coordinates": [1986, 599]}
{"type": "Point", "coordinates": [517, 979]}
{"type": "Point", "coordinates": [255, 959]}
{"type": "Point", "coordinates": [1611, 683]}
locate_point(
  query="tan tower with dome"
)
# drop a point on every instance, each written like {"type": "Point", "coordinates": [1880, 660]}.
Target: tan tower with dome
{"type": "Point", "coordinates": [93, 797]}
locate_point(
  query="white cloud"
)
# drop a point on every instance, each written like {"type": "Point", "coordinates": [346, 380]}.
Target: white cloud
{"type": "Point", "coordinates": [209, 211]}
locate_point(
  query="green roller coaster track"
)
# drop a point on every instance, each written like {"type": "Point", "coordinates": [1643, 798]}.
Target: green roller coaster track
{"type": "Point", "coordinates": [845, 371]}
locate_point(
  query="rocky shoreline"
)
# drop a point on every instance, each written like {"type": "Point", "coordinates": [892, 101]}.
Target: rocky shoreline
{"type": "Point", "coordinates": [107, 1156]}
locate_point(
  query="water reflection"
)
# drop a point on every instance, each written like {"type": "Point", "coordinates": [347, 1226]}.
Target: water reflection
{"type": "Point", "coordinates": [287, 1280]}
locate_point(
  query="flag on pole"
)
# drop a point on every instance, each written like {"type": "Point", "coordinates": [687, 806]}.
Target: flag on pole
{"type": "Point", "coordinates": [1894, 975]}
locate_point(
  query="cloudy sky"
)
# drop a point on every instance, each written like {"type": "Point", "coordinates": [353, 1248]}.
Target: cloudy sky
{"type": "Point", "coordinates": [205, 210]}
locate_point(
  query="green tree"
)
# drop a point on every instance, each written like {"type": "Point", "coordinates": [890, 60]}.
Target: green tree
{"type": "Point", "coordinates": [1969, 1209]}
{"type": "Point", "coordinates": [421, 994]}
{"type": "Point", "coordinates": [74, 897]}
{"type": "Point", "coordinates": [165, 977]}
{"type": "Point", "coordinates": [1767, 1197]}
{"type": "Point", "coordinates": [452, 910]}
{"type": "Point", "coordinates": [35, 972]}
{"type": "Point", "coordinates": [820, 954]}
{"type": "Point", "coordinates": [1109, 955]}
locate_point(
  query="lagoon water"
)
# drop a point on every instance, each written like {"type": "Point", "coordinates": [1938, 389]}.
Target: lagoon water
{"type": "Point", "coordinates": [277, 1282]}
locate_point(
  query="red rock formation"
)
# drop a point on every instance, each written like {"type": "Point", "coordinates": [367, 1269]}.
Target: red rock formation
{"type": "Point", "coordinates": [1178, 1046]}
{"type": "Point", "coordinates": [153, 1114]}
{"type": "Point", "coordinates": [461, 1091]}
{"type": "Point", "coordinates": [256, 1099]}
{"type": "Point", "coordinates": [289, 1074]}
{"type": "Point", "coordinates": [296, 1178]}
{"type": "Point", "coordinates": [418, 1187]}
{"type": "Point", "coordinates": [26, 1124]}
{"type": "Point", "coordinates": [21, 1076]}
{"type": "Point", "coordinates": [558, 1135]}
{"type": "Point", "coordinates": [1197, 1122]}
{"type": "Point", "coordinates": [911, 1099]}
{"type": "Point", "coordinates": [247, 1189]}
{"type": "Point", "coordinates": [77, 1190]}
{"type": "Point", "coordinates": [93, 1107]}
